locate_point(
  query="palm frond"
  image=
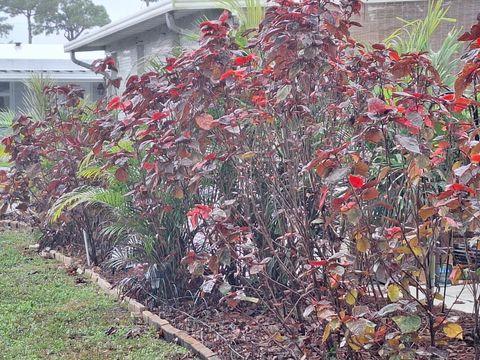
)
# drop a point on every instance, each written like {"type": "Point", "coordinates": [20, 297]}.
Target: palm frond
{"type": "Point", "coordinates": [250, 13]}
{"type": "Point", "coordinates": [416, 35]}
{"type": "Point", "coordinates": [6, 118]}
{"type": "Point", "coordinates": [35, 100]}
{"type": "Point", "coordinates": [120, 258]}
{"type": "Point", "coordinates": [444, 60]}
{"type": "Point", "coordinates": [116, 230]}
{"type": "Point", "coordinates": [88, 195]}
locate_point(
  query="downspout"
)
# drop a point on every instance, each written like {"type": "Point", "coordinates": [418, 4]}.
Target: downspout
{"type": "Point", "coordinates": [171, 25]}
{"type": "Point", "coordinates": [79, 62]}
{"type": "Point", "coordinates": [85, 65]}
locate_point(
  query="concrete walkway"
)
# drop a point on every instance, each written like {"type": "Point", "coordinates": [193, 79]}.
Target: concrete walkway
{"type": "Point", "coordinates": [457, 297]}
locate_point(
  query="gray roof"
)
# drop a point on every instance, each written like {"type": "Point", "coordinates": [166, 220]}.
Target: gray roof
{"type": "Point", "coordinates": [139, 22]}
{"type": "Point", "coordinates": [19, 62]}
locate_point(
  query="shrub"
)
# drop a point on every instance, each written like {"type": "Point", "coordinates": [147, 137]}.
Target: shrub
{"type": "Point", "coordinates": [303, 173]}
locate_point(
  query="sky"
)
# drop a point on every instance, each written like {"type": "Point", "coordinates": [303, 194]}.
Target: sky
{"type": "Point", "coordinates": [117, 9]}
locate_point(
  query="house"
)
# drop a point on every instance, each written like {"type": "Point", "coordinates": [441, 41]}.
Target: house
{"type": "Point", "coordinates": [157, 30]}
{"type": "Point", "coordinates": [147, 34]}
{"type": "Point", "coordinates": [18, 62]}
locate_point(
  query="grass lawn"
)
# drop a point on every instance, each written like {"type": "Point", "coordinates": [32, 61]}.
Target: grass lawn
{"type": "Point", "coordinates": [44, 314]}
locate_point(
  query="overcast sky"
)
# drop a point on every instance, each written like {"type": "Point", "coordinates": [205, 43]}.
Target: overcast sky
{"type": "Point", "coordinates": [117, 9]}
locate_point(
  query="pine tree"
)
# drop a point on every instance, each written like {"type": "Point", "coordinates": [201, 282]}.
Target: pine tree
{"type": "Point", "coordinates": [27, 8]}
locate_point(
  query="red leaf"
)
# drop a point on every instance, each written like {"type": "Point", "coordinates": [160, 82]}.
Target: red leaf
{"type": "Point", "coordinates": [97, 148]}
{"type": "Point", "coordinates": [428, 122]}
{"type": "Point", "coordinates": [7, 141]}
{"type": "Point", "coordinates": [157, 116]}
{"type": "Point", "coordinates": [227, 74]}
{"type": "Point", "coordinates": [318, 263]}
{"type": "Point", "coordinates": [375, 105]}
{"type": "Point", "coordinates": [465, 78]}
{"type": "Point", "coordinates": [126, 105]}
{"type": "Point", "coordinates": [239, 74]}
{"type": "Point", "coordinates": [408, 124]}
{"type": "Point", "coordinates": [149, 166]}
{"type": "Point", "coordinates": [461, 104]}
{"type": "Point", "coordinates": [259, 100]}
{"type": "Point", "coordinates": [205, 122]}
{"type": "Point", "coordinates": [210, 157]}
{"type": "Point", "coordinates": [170, 64]}
{"type": "Point", "coordinates": [460, 187]}
{"type": "Point", "coordinates": [394, 55]}
{"type": "Point", "coordinates": [121, 175]}
{"type": "Point", "coordinates": [114, 103]}
{"type": "Point", "coordinates": [199, 211]}
{"type": "Point", "coordinates": [448, 97]}
{"type": "Point", "coordinates": [378, 46]}
{"type": "Point", "coordinates": [224, 17]}
{"type": "Point", "coordinates": [356, 181]}
{"type": "Point", "coordinates": [243, 60]}
{"type": "Point", "coordinates": [472, 34]}
{"type": "Point", "coordinates": [323, 197]}
{"type": "Point", "coordinates": [391, 232]}
{"type": "Point", "coordinates": [475, 158]}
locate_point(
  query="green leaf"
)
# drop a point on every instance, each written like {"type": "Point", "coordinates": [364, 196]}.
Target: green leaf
{"type": "Point", "coordinates": [283, 93]}
{"type": "Point", "coordinates": [360, 327]}
{"type": "Point", "coordinates": [408, 143]}
{"type": "Point", "coordinates": [390, 308]}
{"type": "Point", "coordinates": [408, 324]}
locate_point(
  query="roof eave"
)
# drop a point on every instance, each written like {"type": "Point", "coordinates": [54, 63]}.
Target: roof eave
{"type": "Point", "coordinates": [87, 42]}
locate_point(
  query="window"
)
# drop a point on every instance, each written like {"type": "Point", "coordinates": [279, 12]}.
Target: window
{"type": "Point", "coordinates": [4, 95]}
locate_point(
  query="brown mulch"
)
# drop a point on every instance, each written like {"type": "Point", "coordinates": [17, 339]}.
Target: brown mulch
{"type": "Point", "coordinates": [253, 333]}
{"type": "Point", "coordinates": [233, 334]}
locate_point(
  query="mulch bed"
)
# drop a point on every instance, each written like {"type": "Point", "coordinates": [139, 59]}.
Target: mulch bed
{"type": "Point", "coordinates": [252, 333]}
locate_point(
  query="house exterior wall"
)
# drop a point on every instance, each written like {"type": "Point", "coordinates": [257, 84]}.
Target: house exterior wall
{"type": "Point", "coordinates": [379, 20]}
{"type": "Point", "coordinates": [133, 53]}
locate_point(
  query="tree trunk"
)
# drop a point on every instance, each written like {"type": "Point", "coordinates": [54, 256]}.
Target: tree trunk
{"type": "Point", "coordinates": [30, 30]}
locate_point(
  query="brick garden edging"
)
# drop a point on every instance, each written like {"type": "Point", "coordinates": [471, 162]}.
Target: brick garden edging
{"type": "Point", "coordinates": [14, 225]}
{"type": "Point", "coordinates": [169, 332]}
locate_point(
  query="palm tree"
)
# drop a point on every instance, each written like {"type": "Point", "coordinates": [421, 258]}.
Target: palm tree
{"type": "Point", "coordinates": [416, 36]}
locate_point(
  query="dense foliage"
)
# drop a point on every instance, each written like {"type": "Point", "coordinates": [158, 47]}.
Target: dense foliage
{"type": "Point", "coordinates": [303, 173]}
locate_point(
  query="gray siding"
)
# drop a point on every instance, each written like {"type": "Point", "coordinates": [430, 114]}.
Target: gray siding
{"type": "Point", "coordinates": [133, 53]}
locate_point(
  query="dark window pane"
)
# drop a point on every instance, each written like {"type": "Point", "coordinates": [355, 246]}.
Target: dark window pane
{"type": "Point", "coordinates": [4, 102]}
{"type": "Point", "coordinates": [4, 87]}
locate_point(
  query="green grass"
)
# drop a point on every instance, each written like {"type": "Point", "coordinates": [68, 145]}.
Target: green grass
{"type": "Point", "coordinates": [44, 314]}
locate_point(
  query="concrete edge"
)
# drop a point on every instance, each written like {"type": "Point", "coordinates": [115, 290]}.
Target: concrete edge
{"type": "Point", "coordinates": [16, 225]}
{"type": "Point", "coordinates": [169, 332]}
